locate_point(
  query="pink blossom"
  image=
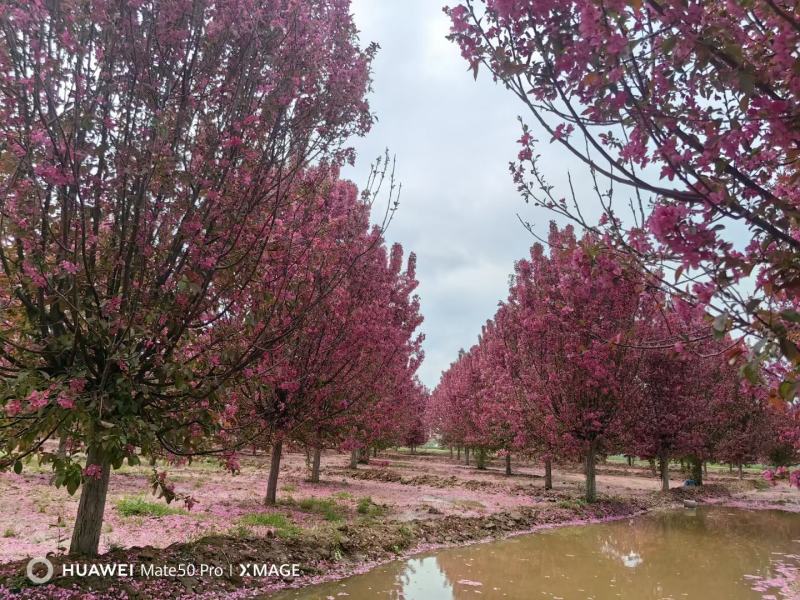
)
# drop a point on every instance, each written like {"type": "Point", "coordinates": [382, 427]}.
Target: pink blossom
{"type": "Point", "coordinates": [65, 401]}
{"type": "Point", "coordinates": [77, 385]}
{"type": "Point", "coordinates": [69, 267]}
{"type": "Point", "coordinates": [93, 472]}
{"type": "Point", "coordinates": [12, 408]}
{"type": "Point", "coordinates": [38, 399]}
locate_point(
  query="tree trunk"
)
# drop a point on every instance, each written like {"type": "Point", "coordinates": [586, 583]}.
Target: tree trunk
{"type": "Point", "coordinates": [274, 469]}
{"type": "Point", "coordinates": [451, 453]}
{"type": "Point", "coordinates": [653, 469]}
{"type": "Point", "coordinates": [548, 473]}
{"type": "Point", "coordinates": [459, 453]}
{"type": "Point", "coordinates": [508, 464]}
{"type": "Point", "coordinates": [363, 456]}
{"type": "Point", "coordinates": [730, 467]}
{"type": "Point", "coordinates": [705, 468]}
{"type": "Point", "coordinates": [697, 470]}
{"type": "Point", "coordinates": [741, 471]}
{"type": "Point", "coordinates": [315, 461]}
{"type": "Point", "coordinates": [375, 452]}
{"type": "Point", "coordinates": [480, 459]}
{"type": "Point", "coordinates": [466, 455]}
{"type": "Point", "coordinates": [591, 482]}
{"type": "Point", "coordinates": [354, 458]}
{"type": "Point", "coordinates": [62, 447]}
{"type": "Point", "coordinates": [89, 520]}
{"type": "Point", "coordinates": [663, 464]}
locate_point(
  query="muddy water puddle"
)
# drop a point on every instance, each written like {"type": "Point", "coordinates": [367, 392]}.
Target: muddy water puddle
{"type": "Point", "coordinates": [708, 553]}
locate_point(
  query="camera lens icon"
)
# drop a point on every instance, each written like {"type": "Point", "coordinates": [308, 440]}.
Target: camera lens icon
{"type": "Point", "coordinates": [39, 579]}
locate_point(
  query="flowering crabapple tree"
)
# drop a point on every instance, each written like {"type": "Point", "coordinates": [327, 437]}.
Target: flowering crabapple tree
{"type": "Point", "coordinates": [692, 106]}
{"type": "Point", "coordinates": [532, 429]}
{"type": "Point", "coordinates": [351, 358]}
{"type": "Point", "coordinates": [565, 339]}
{"type": "Point", "coordinates": [151, 157]}
{"type": "Point", "coordinates": [392, 395]}
{"type": "Point", "coordinates": [459, 402]}
{"type": "Point", "coordinates": [501, 412]}
{"type": "Point", "coordinates": [578, 308]}
{"type": "Point", "coordinates": [689, 400]}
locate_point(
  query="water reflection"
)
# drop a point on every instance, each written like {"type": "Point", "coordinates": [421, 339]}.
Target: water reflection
{"type": "Point", "coordinates": [707, 554]}
{"type": "Point", "coordinates": [423, 579]}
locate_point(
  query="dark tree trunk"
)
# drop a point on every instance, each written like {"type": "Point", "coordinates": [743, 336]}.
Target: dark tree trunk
{"type": "Point", "coordinates": [630, 461]}
{"type": "Point", "coordinates": [451, 453]}
{"type": "Point", "coordinates": [480, 459]}
{"type": "Point", "coordinates": [705, 468]}
{"type": "Point", "coordinates": [354, 458]}
{"type": "Point", "coordinates": [741, 471]}
{"type": "Point", "coordinates": [89, 520]}
{"type": "Point", "coordinates": [663, 464]}
{"type": "Point", "coordinates": [591, 479]}
{"type": "Point", "coordinates": [375, 452]}
{"type": "Point", "coordinates": [466, 455]}
{"type": "Point", "coordinates": [508, 464]}
{"type": "Point", "coordinates": [548, 473]}
{"type": "Point", "coordinates": [697, 470]}
{"type": "Point", "coordinates": [315, 462]}
{"type": "Point", "coordinates": [459, 453]}
{"type": "Point", "coordinates": [274, 470]}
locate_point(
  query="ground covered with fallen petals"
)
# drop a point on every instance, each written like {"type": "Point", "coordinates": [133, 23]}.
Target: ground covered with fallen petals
{"type": "Point", "coordinates": [398, 504]}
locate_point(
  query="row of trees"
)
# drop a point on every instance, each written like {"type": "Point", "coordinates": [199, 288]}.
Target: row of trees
{"type": "Point", "coordinates": [183, 271]}
{"type": "Point", "coordinates": [589, 356]}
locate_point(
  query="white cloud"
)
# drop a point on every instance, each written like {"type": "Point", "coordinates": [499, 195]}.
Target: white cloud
{"type": "Point", "coordinates": [453, 138]}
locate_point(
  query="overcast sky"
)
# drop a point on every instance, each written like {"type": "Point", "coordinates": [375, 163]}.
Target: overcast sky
{"type": "Point", "coordinates": [453, 138]}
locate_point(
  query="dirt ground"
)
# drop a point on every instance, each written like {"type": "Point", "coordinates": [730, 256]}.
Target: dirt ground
{"type": "Point", "coordinates": [417, 501]}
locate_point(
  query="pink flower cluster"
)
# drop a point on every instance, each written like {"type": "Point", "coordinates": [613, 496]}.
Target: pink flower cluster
{"type": "Point", "coordinates": [93, 472]}
{"type": "Point", "coordinates": [782, 473]}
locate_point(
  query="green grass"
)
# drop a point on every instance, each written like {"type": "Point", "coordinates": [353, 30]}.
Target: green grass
{"type": "Point", "coordinates": [674, 464]}
{"type": "Point", "coordinates": [327, 507]}
{"type": "Point", "coordinates": [276, 520]}
{"type": "Point", "coordinates": [240, 531]}
{"type": "Point", "coordinates": [423, 450]}
{"type": "Point", "coordinates": [576, 504]}
{"type": "Point", "coordinates": [9, 533]}
{"type": "Point", "coordinates": [281, 523]}
{"type": "Point", "coordinates": [761, 485]}
{"type": "Point", "coordinates": [137, 506]}
{"type": "Point", "coordinates": [368, 508]}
